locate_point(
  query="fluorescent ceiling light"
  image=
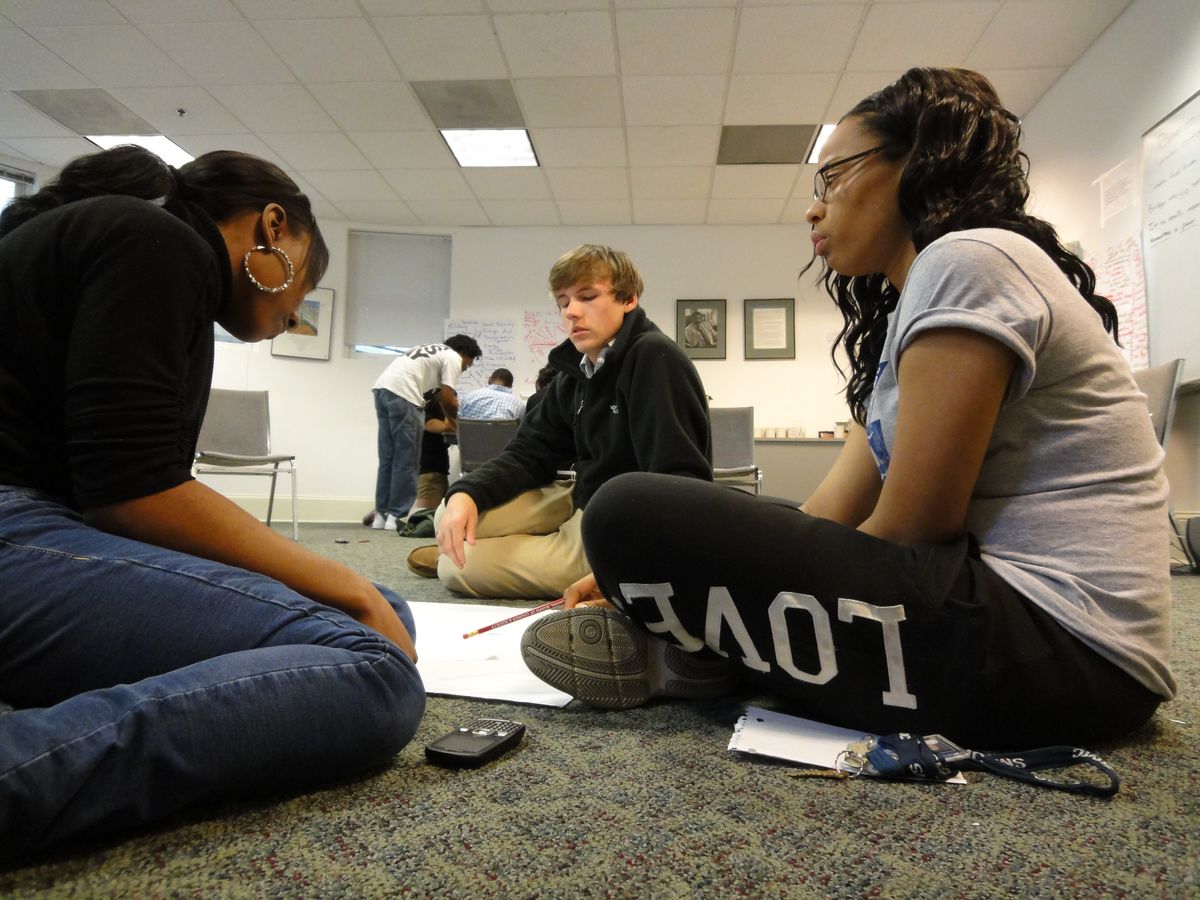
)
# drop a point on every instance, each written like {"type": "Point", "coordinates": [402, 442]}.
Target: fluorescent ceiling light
{"type": "Point", "coordinates": [490, 146]}
{"type": "Point", "coordinates": [822, 137]}
{"type": "Point", "coordinates": [166, 149]}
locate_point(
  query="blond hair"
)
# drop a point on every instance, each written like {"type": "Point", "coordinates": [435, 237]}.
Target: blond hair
{"type": "Point", "coordinates": [593, 262]}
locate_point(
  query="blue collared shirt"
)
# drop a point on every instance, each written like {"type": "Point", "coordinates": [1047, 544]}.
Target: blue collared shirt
{"type": "Point", "coordinates": [495, 401]}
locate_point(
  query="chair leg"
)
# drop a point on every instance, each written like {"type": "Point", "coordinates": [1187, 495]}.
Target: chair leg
{"type": "Point", "coordinates": [295, 520]}
{"type": "Point", "coordinates": [271, 496]}
{"type": "Point", "coordinates": [1188, 552]}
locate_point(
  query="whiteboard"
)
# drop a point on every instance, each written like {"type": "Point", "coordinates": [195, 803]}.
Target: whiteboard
{"type": "Point", "coordinates": [1171, 235]}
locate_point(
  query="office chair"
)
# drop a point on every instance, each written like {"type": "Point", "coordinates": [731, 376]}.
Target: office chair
{"type": "Point", "coordinates": [1160, 384]}
{"type": "Point", "coordinates": [482, 439]}
{"type": "Point", "coordinates": [733, 447]}
{"type": "Point", "coordinates": [235, 439]}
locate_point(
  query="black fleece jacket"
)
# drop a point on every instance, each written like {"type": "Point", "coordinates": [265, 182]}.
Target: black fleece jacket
{"type": "Point", "coordinates": [106, 346]}
{"type": "Point", "coordinates": [643, 411]}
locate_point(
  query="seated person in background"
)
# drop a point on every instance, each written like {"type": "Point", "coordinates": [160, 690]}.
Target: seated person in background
{"type": "Point", "coordinates": [988, 557]}
{"type": "Point", "coordinates": [160, 645]}
{"type": "Point", "coordinates": [544, 376]}
{"type": "Point", "coordinates": [625, 399]}
{"type": "Point", "coordinates": [495, 401]}
{"type": "Point", "coordinates": [434, 477]}
{"type": "Point", "coordinates": [400, 398]}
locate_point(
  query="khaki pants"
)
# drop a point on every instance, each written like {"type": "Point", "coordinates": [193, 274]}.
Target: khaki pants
{"type": "Point", "coordinates": [529, 547]}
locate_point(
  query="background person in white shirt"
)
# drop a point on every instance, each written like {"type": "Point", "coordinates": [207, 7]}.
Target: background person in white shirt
{"type": "Point", "coordinates": [400, 407]}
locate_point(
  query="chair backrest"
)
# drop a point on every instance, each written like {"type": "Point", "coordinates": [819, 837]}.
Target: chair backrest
{"type": "Point", "coordinates": [237, 422]}
{"type": "Point", "coordinates": [1160, 384]}
{"type": "Point", "coordinates": [482, 439]}
{"type": "Point", "coordinates": [732, 436]}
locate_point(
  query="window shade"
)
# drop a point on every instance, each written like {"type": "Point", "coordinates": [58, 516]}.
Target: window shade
{"type": "Point", "coordinates": [398, 288]}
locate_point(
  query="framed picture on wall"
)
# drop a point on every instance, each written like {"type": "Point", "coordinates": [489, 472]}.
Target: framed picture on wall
{"type": "Point", "coordinates": [700, 327]}
{"type": "Point", "coordinates": [770, 327]}
{"type": "Point", "coordinates": [311, 338]}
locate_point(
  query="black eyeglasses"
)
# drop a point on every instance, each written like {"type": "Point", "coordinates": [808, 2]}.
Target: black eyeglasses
{"type": "Point", "coordinates": [821, 180]}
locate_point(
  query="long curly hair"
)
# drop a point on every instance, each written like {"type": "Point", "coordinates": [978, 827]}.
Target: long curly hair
{"type": "Point", "coordinates": [963, 169]}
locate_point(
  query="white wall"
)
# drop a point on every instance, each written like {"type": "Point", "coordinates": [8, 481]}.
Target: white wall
{"type": "Point", "coordinates": [322, 410]}
{"type": "Point", "coordinates": [1143, 66]}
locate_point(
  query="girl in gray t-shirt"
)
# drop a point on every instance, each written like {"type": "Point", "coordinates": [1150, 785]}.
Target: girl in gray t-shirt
{"type": "Point", "coordinates": [988, 556]}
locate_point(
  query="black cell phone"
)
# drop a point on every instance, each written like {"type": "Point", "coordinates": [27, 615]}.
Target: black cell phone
{"type": "Point", "coordinates": [472, 745]}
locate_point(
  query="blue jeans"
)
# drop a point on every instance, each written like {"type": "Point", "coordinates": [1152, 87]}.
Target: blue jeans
{"type": "Point", "coordinates": [401, 426]}
{"type": "Point", "coordinates": [146, 679]}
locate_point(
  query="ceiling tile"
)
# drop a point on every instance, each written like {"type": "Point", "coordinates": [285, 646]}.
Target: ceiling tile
{"type": "Point", "coordinates": [220, 52]}
{"type": "Point", "coordinates": [675, 42]}
{"type": "Point", "coordinates": [595, 212]}
{"type": "Point", "coordinates": [449, 212]}
{"type": "Point", "coordinates": [112, 55]}
{"type": "Point", "coordinates": [297, 9]}
{"type": "Point", "coordinates": [852, 87]}
{"type": "Point", "coordinates": [795, 209]}
{"type": "Point", "coordinates": [673, 99]}
{"type": "Point", "coordinates": [198, 144]}
{"type": "Point", "coordinates": [404, 149]}
{"type": "Point", "coordinates": [12, 153]}
{"type": "Point", "coordinates": [274, 107]}
{"type": "Point", "coordinates": [143, 12]}
{"type": "Point", "coordinates": [321, 207]}
{"type": "Point", "coordinates": [670, 182]}
{"type": "Point", "coordinates": [1065, 28]}
{"type": "Point", "coordinates": [371, 106]}
{"type": "Point", "coordinates": [353, 186]}
{"type": "Point", "coordinates": [507, 183]}
{"type": "Point", "coordinates": [22, 120]}
{"type": "Point", "coordinates": [754, 181]}
{"type": "Point", "coordinates": [796, 38]}
{"type": "Point", "coordinates": [669, 212]}
{"type": "Point", "coordinates": [385, 212]}
{"type": "Point", "coordinates": [511, 6]}
{"type": "Point", "coordinates": [743, 211]}
{"type": "Point", "coordinates": [897, 36]}
{"type": "Point", "coordinates": [778, 99]}
{"type": "Point", "coordinates": [31, 13]}
{"type": "Point", "coordinates": [421, 7]}
{"type": "Point", "coordinates": [589, 183]}
{"type": "Point", "coordinates": [569, 102]}
{"type": "Point", "coordinates": [320, 150]}
{"type": "Point", "coordinates": [331, 50]}
{"type": "Point", "coordinates": [522, 212]}
{"type": "Point", "coordinates": [453, 48]}
{"type": "Point", "coordinates": [26, 64]}
{"type": "Point", "coordinates": [430, 184]}
{"type": "Point", "coordinates": [676, 145]}
{"type": "Point", "coordinates": [675, 4]}
{"type": "Point", "coordinates": [1020, 89]}
{"type": "Point", "coordinates": [160, 107]}
{"type": "Point", "coordinates": [53, 151]}
{"type": "Point", "coordinates": [570, 147]}
{"type": "Point", "coordinates": [541, 45]}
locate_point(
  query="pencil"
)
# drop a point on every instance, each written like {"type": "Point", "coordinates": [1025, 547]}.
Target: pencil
{"type": "Point", "coordinates": [517, 617]}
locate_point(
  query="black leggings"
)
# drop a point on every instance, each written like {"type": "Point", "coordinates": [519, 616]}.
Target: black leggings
{"type": "Point", "coordinates": [850, 629]}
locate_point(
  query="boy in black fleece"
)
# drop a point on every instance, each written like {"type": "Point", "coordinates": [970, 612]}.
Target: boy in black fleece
{"type": "Point", "coordinates": [626, 399]}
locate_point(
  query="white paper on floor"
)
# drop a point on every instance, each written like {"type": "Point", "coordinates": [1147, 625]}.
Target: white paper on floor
{"type": "Point", "coordinates": [486, 666]}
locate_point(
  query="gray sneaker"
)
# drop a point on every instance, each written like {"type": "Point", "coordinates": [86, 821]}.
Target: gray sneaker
{"type": "Point", "coordinates": [600, 657]}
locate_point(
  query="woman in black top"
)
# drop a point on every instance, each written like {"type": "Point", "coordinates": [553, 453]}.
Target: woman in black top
{"type": "Point", "coordinates": [159, 644]}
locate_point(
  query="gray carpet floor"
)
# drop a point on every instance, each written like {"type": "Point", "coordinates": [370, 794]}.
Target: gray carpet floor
{"type": "Point", "coordinates": [649, 803]}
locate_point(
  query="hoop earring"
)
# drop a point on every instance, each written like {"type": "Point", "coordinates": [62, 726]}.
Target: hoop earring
{"type": "Point", "coordinates": [291, 270]}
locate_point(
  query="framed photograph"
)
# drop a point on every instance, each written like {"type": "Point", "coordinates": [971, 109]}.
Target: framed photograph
{"type": "Point", "coordinates": [700, 328]}
{"type": "Point", "coordinates": [770, 327]}
{"type": "Point", "coordinates": [311, 338]}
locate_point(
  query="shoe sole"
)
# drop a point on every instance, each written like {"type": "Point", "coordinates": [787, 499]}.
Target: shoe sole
{"type": "Point", "coordinates": [599, 657]}
{"type": "Point", "coordinates": [420, 569]}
